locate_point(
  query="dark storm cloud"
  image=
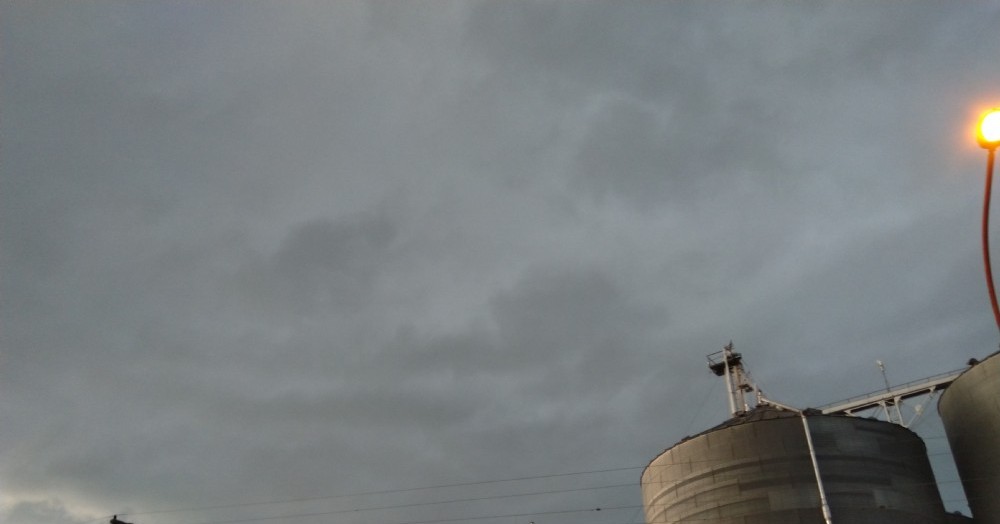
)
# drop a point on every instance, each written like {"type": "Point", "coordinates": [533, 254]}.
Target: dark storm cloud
{"type": "Point", "coordinates": [257, 252]}
{"type": "Point", "coordinates": [553, 327]}
{"type": "Point", "coordinates": [671, 164]}
{"type": "Point", "coordinates": [319, 265]}
{"type": "Point", "coordinates": [556, 351]}
{"type": "Point", "coordinates": [693, 129]}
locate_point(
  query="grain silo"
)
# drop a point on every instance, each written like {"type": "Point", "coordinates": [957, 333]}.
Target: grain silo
{"type": "Point", "coordinates": [970, 410]}
{"type": "Point", "coordinates": [757, 468]}
{"type": "Point", "coordinates": [772, 464]}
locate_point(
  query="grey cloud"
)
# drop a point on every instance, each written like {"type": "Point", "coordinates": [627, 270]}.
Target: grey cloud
{"type": "Point", "coordinates": [676, 156]}
{"type": "Point", "coordinates": [257, 252]}
{"type": "Point", "coordinates": [553, 326]}
{"type": "Point", "coordinates": [321, 265]}
{"type": "Point", "coordinates": [46, 511]}
{"type": "Point", "coordinates": [566, 343]}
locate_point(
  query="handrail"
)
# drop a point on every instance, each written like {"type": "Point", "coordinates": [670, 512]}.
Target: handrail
{"type": "Point", "coordinates": [906, 390]}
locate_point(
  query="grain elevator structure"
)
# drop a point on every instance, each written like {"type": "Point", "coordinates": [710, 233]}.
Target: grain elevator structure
{"type": "Point", "coordinates": [774, 464]}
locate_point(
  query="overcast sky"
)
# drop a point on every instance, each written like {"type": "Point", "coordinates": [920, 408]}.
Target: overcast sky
{"type": "Point", "coordinates": [303, 252]}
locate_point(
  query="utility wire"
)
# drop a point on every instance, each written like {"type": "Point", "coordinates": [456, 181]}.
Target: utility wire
{"type": "Point", "coordinates": [453, 485]}
{"type": "Point", "coordinates": [473, 499]}
{"type": "Point", "coordinates": [435, 521]}
{"type": "Point", "coordinates": [379, 492]}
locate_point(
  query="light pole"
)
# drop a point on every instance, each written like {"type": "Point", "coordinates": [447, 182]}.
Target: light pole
{"type": "Point", "coordinates": [988, 136]}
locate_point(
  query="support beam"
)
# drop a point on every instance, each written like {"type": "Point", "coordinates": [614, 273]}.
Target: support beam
{"type": "Point", "coordinates": [892, 396]}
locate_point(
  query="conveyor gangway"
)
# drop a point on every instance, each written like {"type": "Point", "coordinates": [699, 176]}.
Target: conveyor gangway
{"type": "Point", "coordinates": [892, 397]}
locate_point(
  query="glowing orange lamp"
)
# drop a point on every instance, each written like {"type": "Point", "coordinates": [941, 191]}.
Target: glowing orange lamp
{"type": "Point", "coordinates": [988, 132]}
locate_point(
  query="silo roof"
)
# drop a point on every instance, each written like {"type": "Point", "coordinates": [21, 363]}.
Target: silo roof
{"type": "Point", "coordinates": [759, 413]}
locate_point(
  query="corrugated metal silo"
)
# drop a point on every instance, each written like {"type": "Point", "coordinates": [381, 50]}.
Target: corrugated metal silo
{"type": "Point", "coordinates": [757, 469]}
{"type": "Point", "coordinates": [970, 410]}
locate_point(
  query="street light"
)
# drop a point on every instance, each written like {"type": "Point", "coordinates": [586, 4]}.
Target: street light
{"type": "Point", "coordinates": [988, 136]}
{"type": "Point", "coordinates": [988, 132]}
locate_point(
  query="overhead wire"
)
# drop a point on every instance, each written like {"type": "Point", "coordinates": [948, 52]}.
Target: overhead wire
{"type": "Point", "coordinates": [393, 491]}
{"type": "Point", "coordinates": [418, 504]}
{"type": "Point", "coordinates": [455, 485]}
{"type": "Point", "coordinates": [451, 485]}
{"type": "Point", "coordinates": [432, 521]}
{"type": "Point", "coordinates": [453, 501]}
{"type": "Point", "coordinates": [697, 413]}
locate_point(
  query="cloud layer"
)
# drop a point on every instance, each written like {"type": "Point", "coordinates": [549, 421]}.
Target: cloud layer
{"type": "Point", "coordinates": [255, 253]}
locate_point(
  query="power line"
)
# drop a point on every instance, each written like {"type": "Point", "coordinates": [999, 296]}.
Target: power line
{"type": "Point", "coordinates": [443, 486]}
{"type": "Point", "coordinates": [435, 521]}
{"type": "Point", "coordinates": [391, 491]}
{"type": "Point", "coordinates": [472, 499]}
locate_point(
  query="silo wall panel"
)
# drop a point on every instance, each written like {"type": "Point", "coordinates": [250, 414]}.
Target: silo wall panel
{"type": "Point", "coordinates": [761, 471]}
{"type": "Point", "coordinates": [970, 410]}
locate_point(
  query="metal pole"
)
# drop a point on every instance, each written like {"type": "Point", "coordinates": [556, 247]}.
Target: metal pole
{"type": "Point", "coordinates": [819, 480]}
{"type": "Point", "coordinates": [726, 352]}
{"type": "Point", "coordinates": [986, 237]}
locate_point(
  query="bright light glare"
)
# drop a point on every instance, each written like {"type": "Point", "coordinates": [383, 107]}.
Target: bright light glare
{"type": "Point", "coordinates": [989, 129]}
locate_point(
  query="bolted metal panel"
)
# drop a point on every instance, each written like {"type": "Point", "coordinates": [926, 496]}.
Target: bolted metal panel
{"type": "Point", "coordinates": [757, 468]}
{"type": "Point", "coordinates": [970, 410]}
